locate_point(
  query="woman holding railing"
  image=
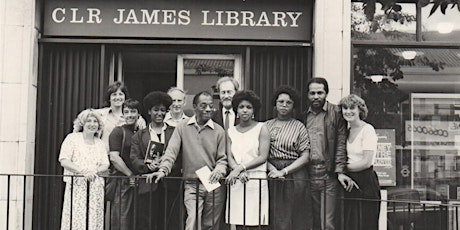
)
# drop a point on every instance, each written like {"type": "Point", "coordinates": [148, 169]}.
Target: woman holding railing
{"type": "Point", "coordinates": [289, 152]}
{"type": "Point", "coordinates": [360, 182]}
{"type": "Point", "coordinates": [247, 148]}
{"type": "Point", "coordinates": [83, 154]}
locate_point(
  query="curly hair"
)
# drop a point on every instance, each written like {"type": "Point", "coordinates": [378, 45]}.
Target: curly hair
{"type": "Point", "coordinates": [246, 95]}
{"type": "Point", "coordinates": [353, 100]}
{"type": "Point", "coordinates": [157, 98]}
{"type": "Point", "coordinates": [112, 88]}
{"type": "Point", "coordinates": [83, 116]}
{"type": "Point", "coordinates": [287, 90]}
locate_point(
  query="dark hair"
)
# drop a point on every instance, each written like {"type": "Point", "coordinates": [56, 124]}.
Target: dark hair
{"type": "Point", "coordinates": [112, 88]}
{"type": "Point", "coordinates": [353, 100]}
{"type": "Point", "coordinates": [157, 98]}
{"type": "Point", "coordinates": [132, 104]}
{"type": "Point", "coordinates": [287, 90]}
{"type": "Point", "coordinates": [318, 80]}
{"type": "Point", "coordinates": [204, 93]}
{"type": "Point", "coordinates": [246, 95]}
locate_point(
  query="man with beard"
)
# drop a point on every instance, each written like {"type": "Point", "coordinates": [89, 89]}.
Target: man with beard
{"type": "Point", "coordinates": [328, 134]}
{"type": "Point", "coordinates": [225, 116]}
{"type": "Point", "coordinates": [202, 142]}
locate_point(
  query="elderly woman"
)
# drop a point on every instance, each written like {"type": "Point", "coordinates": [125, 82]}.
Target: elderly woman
{"type": "Point", "coordinates": [82, 153]}
{"type": "Point", "coordinates": [289, 152]}
{"type": "Point", "coordinates": [247, 149]}
{"type": "Point", "coordinates": [361, 180]}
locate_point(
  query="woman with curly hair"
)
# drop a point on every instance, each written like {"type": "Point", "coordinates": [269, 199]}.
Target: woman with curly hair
{"type": "Point", "coordinates": [84, 154]}
{"type": "Point", "coordinates": [151, 209]}
{"type": "Point", "coordinates": [247, 149]}
{"type": "Point", "coordinates": [289, 152]}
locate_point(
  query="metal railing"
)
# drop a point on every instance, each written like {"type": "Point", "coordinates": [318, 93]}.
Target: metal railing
{"type": "Point", "coordinates": [162, 206]}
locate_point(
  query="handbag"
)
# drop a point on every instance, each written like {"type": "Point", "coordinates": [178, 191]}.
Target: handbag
{"type": "Point", "coordinates": [111, 182]}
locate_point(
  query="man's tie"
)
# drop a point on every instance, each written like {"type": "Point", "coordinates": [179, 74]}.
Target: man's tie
{"type": "Point", "coordinates": [227, 120]}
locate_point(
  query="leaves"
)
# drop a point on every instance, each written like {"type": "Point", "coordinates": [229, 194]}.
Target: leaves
{"type": "Point", "coordinates": [389, 6]}
{"type": "Point", "coordinates": [423, 3]}
{"type": "Point", "coordinates": [369, 9]}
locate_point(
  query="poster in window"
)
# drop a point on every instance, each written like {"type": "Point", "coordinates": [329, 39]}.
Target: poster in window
{"type": "Point", "coordinates": [385, 163]}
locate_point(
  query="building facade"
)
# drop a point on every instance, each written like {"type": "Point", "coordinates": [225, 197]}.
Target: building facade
{"type": "Point", "coordinates": [57, 57]}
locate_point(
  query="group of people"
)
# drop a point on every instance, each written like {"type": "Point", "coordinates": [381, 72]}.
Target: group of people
{"type": "Point", "coordinates": [283, 173]}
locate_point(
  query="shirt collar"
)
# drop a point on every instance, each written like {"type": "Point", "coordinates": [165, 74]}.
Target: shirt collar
{"type": "Point", "coordinates": [324, 108]}
{"type": "Point", "coordinates": [230, 111]}
{"type": "Point", "coordinates": [192, 121]}
{"type": "Point", "coordinates": [168, 116]}
{"type": "Point", "coordinates": [163, 128]}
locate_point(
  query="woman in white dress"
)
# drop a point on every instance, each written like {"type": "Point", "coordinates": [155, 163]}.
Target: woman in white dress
{"type": "Point", "coordinates": [84, 155]}
{"type": "Point", "coordinates": [247, 147]}
{"type": "Point", "coordinates": [360, 181]}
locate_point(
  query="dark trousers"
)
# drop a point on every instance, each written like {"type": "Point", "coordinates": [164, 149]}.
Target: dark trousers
{"type": "Point", "coordinates": [121, 206]}
{"type": "Point", "coordinates": [290, 206]}
{"type": "Point", "coordinates": [150, 210]}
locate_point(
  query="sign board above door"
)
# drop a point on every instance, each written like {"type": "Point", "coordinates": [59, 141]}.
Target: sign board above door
{"type": "Point", "coordinates": [267, 20]}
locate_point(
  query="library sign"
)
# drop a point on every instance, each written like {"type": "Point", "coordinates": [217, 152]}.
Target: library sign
{"type": "Point", "coordinates": [201, 19]}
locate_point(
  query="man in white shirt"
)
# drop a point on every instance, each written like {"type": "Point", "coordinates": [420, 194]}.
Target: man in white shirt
{"type": "Point", "coordinates": [176, 110]}
{"type": "Point", "coordinates": [227, 87]}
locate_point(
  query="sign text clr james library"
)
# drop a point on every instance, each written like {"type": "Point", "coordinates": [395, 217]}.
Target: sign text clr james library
{"type": "Point", "coordinates": [181, 17]}
{"type": "Point", "coordinates": [198, 19]}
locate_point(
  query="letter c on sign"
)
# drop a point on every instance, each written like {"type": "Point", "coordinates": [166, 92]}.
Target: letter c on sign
{"type": "Point", "coordinates": [54, 15]}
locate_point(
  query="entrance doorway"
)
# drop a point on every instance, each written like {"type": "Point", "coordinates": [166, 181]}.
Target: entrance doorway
{"type": "Point", "coordinates": [144, 72]}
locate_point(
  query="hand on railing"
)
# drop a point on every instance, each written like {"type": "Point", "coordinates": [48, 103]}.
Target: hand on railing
{"type": "Point", "coordinates": [215, 177]}
{"type": "Point", "coordinates": [158, 175]}
{"type": "Point", "coordinates": [90, 175]}
{"type": "Point", "coordinates": [274, 174]}
{"type": "Point", "coordinates": [234, 175]}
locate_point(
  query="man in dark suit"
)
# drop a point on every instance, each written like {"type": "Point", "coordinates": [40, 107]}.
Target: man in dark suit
{"type": "Point", "coordinates": [227, 87]}
{"type": "Point", "coordinates": [225, 116]}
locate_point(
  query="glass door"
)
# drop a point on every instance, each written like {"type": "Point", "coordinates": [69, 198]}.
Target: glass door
{"type": "Point", "coordinates": [434, 133]}
{"type": "Point", "coordinates": [198, 72]}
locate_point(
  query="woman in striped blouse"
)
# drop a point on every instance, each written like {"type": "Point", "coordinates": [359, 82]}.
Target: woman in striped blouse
{"type": "Point", "coordinates": [289, 152]}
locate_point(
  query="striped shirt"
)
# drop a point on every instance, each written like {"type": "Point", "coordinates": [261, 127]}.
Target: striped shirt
{"type": "Point", "coordinates": [288, 139]}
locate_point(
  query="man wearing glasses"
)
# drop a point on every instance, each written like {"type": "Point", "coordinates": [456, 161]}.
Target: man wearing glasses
{"type": "Point", "coordinates": [202, 142]}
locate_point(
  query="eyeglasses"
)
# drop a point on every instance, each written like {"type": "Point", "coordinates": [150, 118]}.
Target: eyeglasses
{"type": "Point", "coordinates": [287, 102]}
{"type": "Point", "coordinates": [204, 106]}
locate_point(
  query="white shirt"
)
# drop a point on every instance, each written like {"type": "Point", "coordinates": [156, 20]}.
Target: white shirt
{"type": "Point", "coordinates": [171, 121]}
{"type": "Point", "coordinates": [154, 135]}
{"type": "Point", "coordinates": [365, 140]}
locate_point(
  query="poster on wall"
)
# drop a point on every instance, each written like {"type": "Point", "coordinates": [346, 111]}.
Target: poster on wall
{"type": "Point", "coordinates": [385, 163]}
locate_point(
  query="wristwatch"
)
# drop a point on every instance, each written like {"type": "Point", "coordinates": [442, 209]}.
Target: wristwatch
{"type": "Point", "coordinates": [162, 170]}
